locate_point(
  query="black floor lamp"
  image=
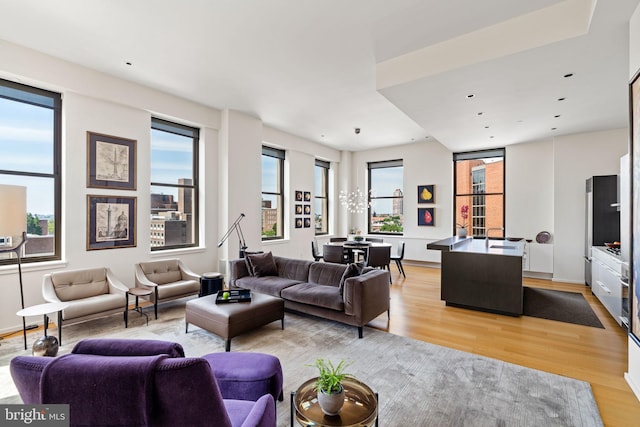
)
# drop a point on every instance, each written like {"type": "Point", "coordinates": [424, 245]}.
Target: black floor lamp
{"type": "Point", "coordinates": [235, 226]}
{"type": "Point", "coordinates": [13, 223]}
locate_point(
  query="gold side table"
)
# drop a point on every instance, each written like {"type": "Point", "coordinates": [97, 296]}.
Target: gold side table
{"type": "Point", "coordinates": [360, 406]}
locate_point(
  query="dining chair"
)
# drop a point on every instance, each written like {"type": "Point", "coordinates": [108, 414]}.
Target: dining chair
{"type": "Point", "coordinates": [374, 239]}
{"type": "Point", "coordinates": [398, 257]}
{"type": "Point", "coordinates": [379, 257]}
{"type": "Point", "coordinates": [333, 253]}
{"type": "Point", "coordinates": [314, 250]}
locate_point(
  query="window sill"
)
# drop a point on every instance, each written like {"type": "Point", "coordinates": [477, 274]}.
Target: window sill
{"type": "Point", "coordinates": [180, 251]}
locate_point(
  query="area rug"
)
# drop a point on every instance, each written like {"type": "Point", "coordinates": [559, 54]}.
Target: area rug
{"type": "Point", "coordinates": [568, 307]}
{"type": "Point", "coordinates": [419, 384]}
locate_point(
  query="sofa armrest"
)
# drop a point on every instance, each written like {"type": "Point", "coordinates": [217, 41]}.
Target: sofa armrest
{"type": "Point", "coordinates": [48, 291]}
{"type": "Point", "coordinates": [263, 413]}
{"type": "Point", "coordinates": [367, 296]}
{"type": "Point", "coordinates": [187, 273]}
{"type": "Point", "coordinates": [141, 279]}
{"type": "Point", "coordinates": [115, 285]}
{"type": "Point", "coordinates": [238, 269]}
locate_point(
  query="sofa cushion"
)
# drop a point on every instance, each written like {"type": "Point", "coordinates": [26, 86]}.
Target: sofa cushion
{"type": "Point", "coordinates": [162, 272]}
{"type": "Point", "coordinates": [74, 285]}
{"type": "Point", "coordinates": [296, 269]}
{"type": "Point", "coordinates": [313, 294]}
{"type": "Point", "coordinates": [269, 285]}
{"type": "Point", "coordinates": [326, 273]}
{"type": "Point", "coordinates": [176, 289]}
{"type": "Point", "coordinates": [262, 265]}
{"type": "Point", "coordinates": [92, 305]}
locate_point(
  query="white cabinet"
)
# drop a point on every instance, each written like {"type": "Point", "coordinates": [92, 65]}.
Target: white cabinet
{"type": "Point", "coordinates": [606, 282]}
{"type": "Point", "coordinates": [538, 258]}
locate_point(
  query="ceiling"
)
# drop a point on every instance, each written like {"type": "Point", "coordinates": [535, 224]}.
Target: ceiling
{"type": "Point", "coordinates": [401, 71]}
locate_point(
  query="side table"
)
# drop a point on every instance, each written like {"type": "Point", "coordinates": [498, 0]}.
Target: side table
{"type": "Point", "coordinates": [45, 309]}
{"type": "Point", "coordinates": [360, 406]}
{"type": "Point", "coordinates": [137, 292]}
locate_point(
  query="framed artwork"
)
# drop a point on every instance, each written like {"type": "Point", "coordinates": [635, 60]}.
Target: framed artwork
{"type": "Point", "coordinates": [298, 196]}
{"type": "Point", "coordinates": [298, 222]}
{"type": "Point", "coordinates": [307, 223]}
{"type": "Point", "coordinates": [426, 193]}
{"type": "Point", "coordinates": [111, 222]}
{"type": "Point", "coordinates": [634, 173]}
{"type": "Point", "coordinates": [307, 196]}
{"type": "Point", "coordinates": [111, 162]}
{"type": "Point", "coordinates": [307, 209]}
{"type": "Point", "coordinates": [426, 216]}
{"type": "Point", "coordinates": [298, 209]}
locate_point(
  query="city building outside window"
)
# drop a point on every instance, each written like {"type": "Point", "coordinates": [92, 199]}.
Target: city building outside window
{"type": "Point", "coordinates": [174, 185]}
{"type": "Point", "coordinates": [321, 197]}
{"type": "Point", "coordinates": [386, 198]}
{"type": "Point", "coordinates": [272, 197]}
{"type": "Point", "coordinates": [30, 157]}
{"type": "Point", "coordinates": [479, 185]}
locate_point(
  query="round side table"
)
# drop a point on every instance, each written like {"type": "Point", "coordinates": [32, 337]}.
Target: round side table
{"type": "Point", "coordinates": [360, 406]}
{"type": "Point", "coordinates": [137, 292]}
{"type": "Point", "coordinates": [45, 309]}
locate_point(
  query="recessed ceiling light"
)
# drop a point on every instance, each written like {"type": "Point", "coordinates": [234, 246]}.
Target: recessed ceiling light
{"type": "Point", "coordinates": [556, 116]}
{"type": "Point", "coordinates": [471, 95]}
{"type": "Point", "coordinates": [554, 128]}
{"type": "Point", "coordinates": [486, 127]}
{"type": "Point", "coordinates": [480, 113]}
{"type": "Point", "coordinates": [568, 75]}
{"type": "Point", "coordinates": [561, 99]}
{"type": "Point", "coordinates": [129, 63]}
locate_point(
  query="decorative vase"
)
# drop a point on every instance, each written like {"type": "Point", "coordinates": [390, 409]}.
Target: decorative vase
{"type": "Point", "coordinates": [331, 403]}
{"type": "Point", "coordinates": [46, 346]}
{"type": "Point", "coordinates": [462, 232]}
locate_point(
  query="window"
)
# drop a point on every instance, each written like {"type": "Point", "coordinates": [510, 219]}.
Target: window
{"type": "Point", "coordinates": [272, 200]}
{"type": "Point", "coordinates": [386, 197]}
{"type": "Point", "coordinates": [30, 147]}
{"type": "Point", "coordinates": [479, 185]}
{"type": "Point", "coordinates": [174, 185]}
{"type": "Point", "coordinates": [321, 197]}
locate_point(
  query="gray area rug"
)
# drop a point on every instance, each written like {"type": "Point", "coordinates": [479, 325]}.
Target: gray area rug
{"type": "Point", "coordinates": [419, 384]}
{"type": "Point", "coordinates": [563, 306]}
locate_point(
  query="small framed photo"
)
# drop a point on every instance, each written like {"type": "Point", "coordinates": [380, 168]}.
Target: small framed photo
{"type": "Point", "coordinates": [298, 222]}
{"type": "Point", "coordinates": [307, 209]}
{"type": "Point", "coordinates": [111, 162]}
{"type": "Point", "coordinates": [307, 223]}
{"type": "Point", "coordinates": [426, 193]}
{"type": "Point", "coordinates": [307, 196]}
{"type": "Point", "coordinates": [298, 209]}
{"type": "Point", "coordinates": [111, 222]}
{"type": "Point", "coordinates": [426, 217]}
{"type": "Point", "coordinates": [298, 196]}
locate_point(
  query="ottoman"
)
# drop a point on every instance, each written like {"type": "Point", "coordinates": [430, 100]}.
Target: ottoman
{"type": "Point", "coordinates": [246, 376]}
{"type": "Point", "coordinates": [232, 319]}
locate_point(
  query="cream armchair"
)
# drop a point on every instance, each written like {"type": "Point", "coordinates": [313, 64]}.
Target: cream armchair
{"type": "Point", "coordinates": [168, 279]}
{"type": "Point", "coordinates": [90, 292]}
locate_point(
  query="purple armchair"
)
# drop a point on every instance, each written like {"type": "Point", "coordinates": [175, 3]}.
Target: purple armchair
{"type": "Point", "coordinates": [135, 382]}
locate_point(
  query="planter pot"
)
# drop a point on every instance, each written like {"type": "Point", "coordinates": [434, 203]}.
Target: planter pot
{"type": "Point", "coordinates": [331, 404]}
{"type": "Point", "coordinates": [462, 232]}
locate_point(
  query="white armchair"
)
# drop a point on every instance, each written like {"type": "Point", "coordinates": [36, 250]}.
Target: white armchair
{"type": "Point", "coordinates": [90, 292]}
{"type": "Point", "coordinates": [169, 279]}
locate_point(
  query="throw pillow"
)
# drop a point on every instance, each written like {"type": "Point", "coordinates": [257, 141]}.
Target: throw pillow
{"type": "Point", "coordinates": [263, 264]}
{"type": "Point", "coordinates": [246, 261]}
{"type": "Point", "coordinates": [352, 270]}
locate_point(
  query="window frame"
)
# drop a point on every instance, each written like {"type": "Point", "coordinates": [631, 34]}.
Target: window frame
{"type": "Point", "coordinates": [326, 166]}
{"type": "Point", "coordinates": [189, 132]}
{"type": "Point", "coordinates": [280, 155]}
{"type": "Point", "coordinates": [56, 173]}
{"type": "Point", "coordinates": [476, 155]}
{"type": "Point", "coordinates": [370, 194]}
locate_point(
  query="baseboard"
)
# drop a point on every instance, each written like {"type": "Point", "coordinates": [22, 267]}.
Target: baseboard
{"type": "Point", "coordinates": [576, 282]}
{"type": "Point", "coordinates": [634, 387]}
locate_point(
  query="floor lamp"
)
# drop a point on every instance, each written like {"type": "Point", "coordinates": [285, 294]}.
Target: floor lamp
{"type": "Point", "coordinates": [13, 223]}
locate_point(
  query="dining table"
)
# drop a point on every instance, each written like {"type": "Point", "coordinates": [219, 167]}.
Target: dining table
{"type": "Point", "coordinates": [357, 248]}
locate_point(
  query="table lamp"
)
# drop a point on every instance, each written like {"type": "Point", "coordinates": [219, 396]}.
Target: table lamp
{"type": "Point", "coordinates": [13, 226]}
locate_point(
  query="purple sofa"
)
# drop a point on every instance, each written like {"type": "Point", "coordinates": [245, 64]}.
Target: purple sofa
{"type": "Point", "coordinates": [135, 382]}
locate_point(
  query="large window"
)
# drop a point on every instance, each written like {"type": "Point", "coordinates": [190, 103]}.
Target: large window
{"type": "Point", "coordinates": [272, 197]}
{"type": "Point", "coordinates": [321, 197]}
{"type": "Point", "coordinates": [386, 212]}
{"type": "Point", "coordinates": [30, 147]}
{"type": "Point", "coordinates": [174, 185]}
{"type": "Point", "coordinates": [479, 184]}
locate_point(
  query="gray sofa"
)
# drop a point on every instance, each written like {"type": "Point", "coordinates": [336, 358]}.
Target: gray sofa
{"type": "Point", "coordinates": [314, 288]}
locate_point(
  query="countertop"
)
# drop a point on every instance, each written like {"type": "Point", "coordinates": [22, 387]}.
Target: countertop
{"type": "Point", "coordinates": [479, 246]}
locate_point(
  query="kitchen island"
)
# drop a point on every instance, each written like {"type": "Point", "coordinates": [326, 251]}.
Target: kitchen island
{"type": "Point", "coordinates": [481, 274]}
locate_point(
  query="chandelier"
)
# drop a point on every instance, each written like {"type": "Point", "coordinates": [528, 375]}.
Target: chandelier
{"type": "Point", "coordinates": [355, 201]}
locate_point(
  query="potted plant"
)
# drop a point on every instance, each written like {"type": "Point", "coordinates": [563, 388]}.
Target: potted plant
{"type": "Point", "coordinates": [329, 385]}
{"type": "Point", "coordinates": [464, 214]}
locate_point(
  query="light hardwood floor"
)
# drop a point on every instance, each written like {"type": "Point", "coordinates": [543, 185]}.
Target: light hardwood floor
{"type": "Point", "coordinates": [598, 356]}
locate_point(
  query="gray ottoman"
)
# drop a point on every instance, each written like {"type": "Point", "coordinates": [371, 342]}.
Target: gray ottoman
{"type": "Point", "coordinates": [232, 319]}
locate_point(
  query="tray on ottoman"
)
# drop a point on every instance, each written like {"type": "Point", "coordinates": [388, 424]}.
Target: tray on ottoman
{"type": "Point", "coordinates": [235, 295]}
